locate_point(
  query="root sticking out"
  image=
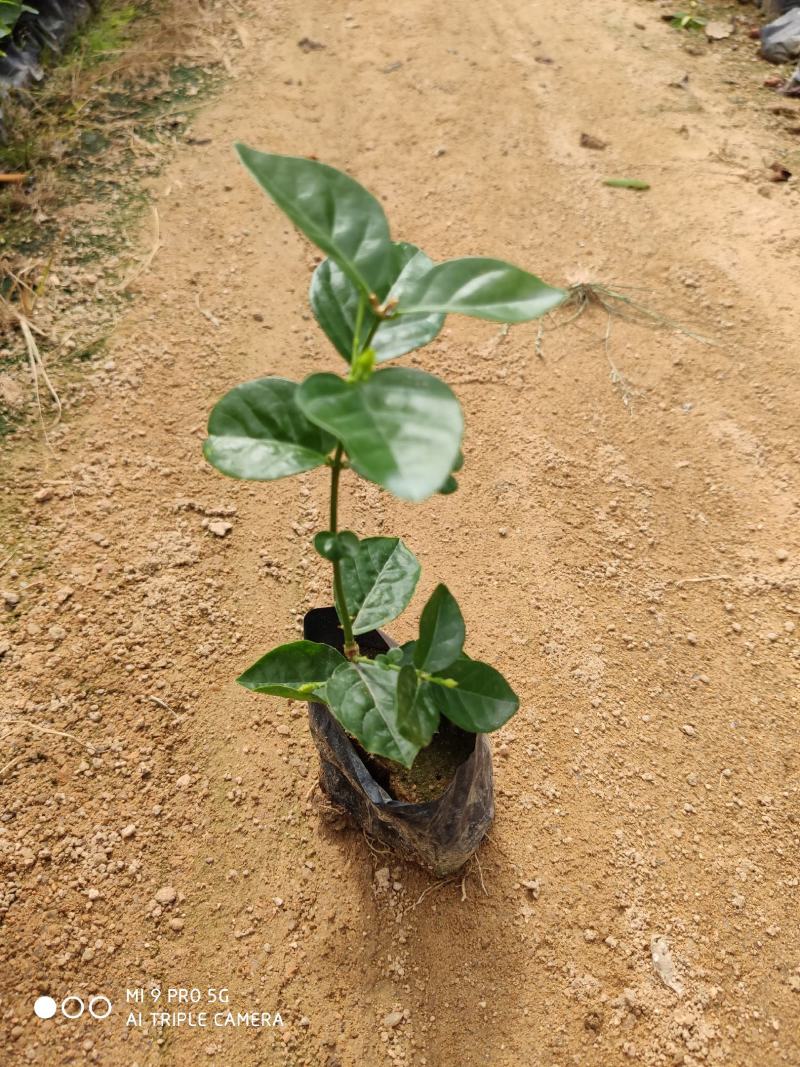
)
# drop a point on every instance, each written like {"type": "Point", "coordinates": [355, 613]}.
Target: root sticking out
{"type": "Point", "coordinates": [583, 296]}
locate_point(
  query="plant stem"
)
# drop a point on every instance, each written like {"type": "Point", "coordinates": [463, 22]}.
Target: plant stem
{"type": "Point", "coordinates": [350, 646]}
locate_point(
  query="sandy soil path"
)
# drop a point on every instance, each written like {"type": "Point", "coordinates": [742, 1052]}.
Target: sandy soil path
{"type": "Point", "coordinates": [629, 551]}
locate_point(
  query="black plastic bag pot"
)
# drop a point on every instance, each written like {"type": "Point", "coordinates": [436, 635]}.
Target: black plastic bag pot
{"type": "Point", "coordinates": [48, 28]}
{"type": "Point", "coordinates": [441, 834]}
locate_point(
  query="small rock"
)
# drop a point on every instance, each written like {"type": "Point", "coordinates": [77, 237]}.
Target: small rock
{"type": "Point", "coordinates": [589, 936]}
{"type": "Point", "coordinates": [93, 894]}
{"type": "Point", "coordinates": [219, 528]}
{"type": "Point", "coordinates": [394, 1018]}
{"type": "Point", "coordinates": [127, 831]}
{"type": "Point", "coordinates": [41, 496]}
{"type": "Point", "coordinates": [283, 730]}
{"type": "Point", "coordinates": [184, 781]}
{"type": "Point", "coordinates": [308, 45]}
{"type": "Point", "coordinates": [718, 31]}
{"type": "Point", "coordinates": [588, 141]}
{"type": "Point", "coordinates": [176, 925]}
{"type": "Point", "coordinates": [688, 729]}
{"type": "Point", "coordinates": [10, 599]}
{"type": "Point", "coordinates": [439, 152]}
{"type": "Point", "coordinates": [691, 639]}
{"type": "Point", "coordinates": [168, 894]}
{"type": "Point", "coordinates": [782, 555]}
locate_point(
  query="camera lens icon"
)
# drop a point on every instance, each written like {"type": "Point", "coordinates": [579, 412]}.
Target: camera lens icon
{"type": "Point", "coordinates": [73, 1007]}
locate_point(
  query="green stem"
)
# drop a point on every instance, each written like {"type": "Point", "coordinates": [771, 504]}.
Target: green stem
{"type": "Point", "coordinates": [350, 645]}
{"type": "Point", "coordinates": [362, 306]}
{"type": "Point", "coordinates": [423, 676]}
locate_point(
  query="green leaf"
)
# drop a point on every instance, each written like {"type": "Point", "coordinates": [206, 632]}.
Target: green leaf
{"type": "Point", "coordinates": [482, 701]}
{"type": "Point", "coordinates": [482, 288]}
{"type": "Point", "coordinates": [335, 546]}
{"type": "Point", "coordinates": [334, 301]}
{"type": "Point", "coordinates": [363, 698]}
{"type": "Point", "coordinates": [284, 670]}
{"type": "Point", "coordinates": [627, 183]}
{"type": "Point", "coordinates": [257, 431]}
{"type": "Point", "coordinates": [402, 428]}
{"type": "Point", "coordinates": [405, 333]}
{"type": "Point", "coordinates": [379, 579]}
{"type": "Point", "coordinates": [441, 632]}
{"type": "Point", "coordinates": [332, 210]}
{"type": "Point", "coordinates": [417, 714]}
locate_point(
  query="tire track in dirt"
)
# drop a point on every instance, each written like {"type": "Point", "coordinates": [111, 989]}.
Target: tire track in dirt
{"type": "Point", "coordinates": [648, 786]}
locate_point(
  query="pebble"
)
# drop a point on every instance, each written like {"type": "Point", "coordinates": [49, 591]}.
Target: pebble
{"type": "Point", "coordinates": [782, 555]}
{"type": "Point", "coordinates": [127, 831]}
{"type": "Point", "coordinates": [394, 1018]}
{"type": "Point", "coordinates": [283, 730]}
{"type": "Point", "coordinates": [688, 729]}
{"type": "Point", "coordinates": [41, 496]}
{"type": "Point", "coordinates": [176, 925]}
{"type": "Point", "coordinates": [691, 638]}
{"type": "Point", "coordinates": [168, 894]}
{"type": "Point", "coordinates": [11, 599]}
{"type": "Point", "coordinates": [184, 781]}
{"type": "Point", "coordinates": [93, 894]}
{"type": "Point", "coordinates": [219, 528]}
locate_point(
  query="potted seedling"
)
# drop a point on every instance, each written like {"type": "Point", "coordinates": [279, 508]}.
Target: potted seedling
{"type": "Point", "coordinates": [400, 730]}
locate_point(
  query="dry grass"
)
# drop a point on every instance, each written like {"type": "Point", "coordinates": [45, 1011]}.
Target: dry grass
{"type": "Point", "coordinates": [105, 116]}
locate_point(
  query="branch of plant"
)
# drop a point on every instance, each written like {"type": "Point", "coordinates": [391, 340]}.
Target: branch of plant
{"type": "Point", "coordinates": [350, 645]}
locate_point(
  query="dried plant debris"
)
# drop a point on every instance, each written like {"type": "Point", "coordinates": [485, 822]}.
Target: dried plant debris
{"type": "Point", "coordinates": [664, 965]}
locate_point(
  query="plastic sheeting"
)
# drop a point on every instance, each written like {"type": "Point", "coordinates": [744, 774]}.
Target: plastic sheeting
{"type": "Point", "coordinates": [49, 29]}
{"type": "Point", "coordinates": [440, 835]}
{"type": "Point", "coordinates": [780, 40]}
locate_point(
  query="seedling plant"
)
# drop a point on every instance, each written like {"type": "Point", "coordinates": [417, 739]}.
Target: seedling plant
{"type": "Point", "coordinates": [401, 428]}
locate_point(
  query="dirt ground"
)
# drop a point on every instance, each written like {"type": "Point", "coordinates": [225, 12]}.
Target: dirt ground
{"type": "Point", "coordinates": [626, 550]}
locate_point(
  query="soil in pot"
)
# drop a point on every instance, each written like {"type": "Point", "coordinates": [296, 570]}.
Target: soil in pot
{"type": "Point", "coordinates": [432, 771]}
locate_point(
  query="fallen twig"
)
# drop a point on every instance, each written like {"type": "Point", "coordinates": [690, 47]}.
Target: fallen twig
{"type": "Point", "coordinates": [162, 704]}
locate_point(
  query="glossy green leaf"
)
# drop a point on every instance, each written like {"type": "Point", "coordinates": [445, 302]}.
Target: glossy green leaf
{"type": "Point", "coordinates": [417, 714]}
{"type": "Point", "coordinates": [257, 431]}
{"type": "Point", "coordinates": [405, 333]}
{"type": "Point", "coordinates": [482, 288]}
{"type": "Point", "coordinates": [441, 632]}
{"type": "Point", "coordinates": [408, 652]}
{"type": "Point", "coordinates": [379, 579]}
{"type": "Point", "coordinates": [296, 670]}
{"type": "Point", "coordinates": [363, 698]}
{"type": "Point", "coordinates": [482, 700]}
{"type": "Point", "coordinates": [334, 300]}
{"type": "Point", "coordinates": [402, 428]}
{"type": "Point", "coordinates": [332, 210]}
{"type": "Point", "coordinates": [335, 546]}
